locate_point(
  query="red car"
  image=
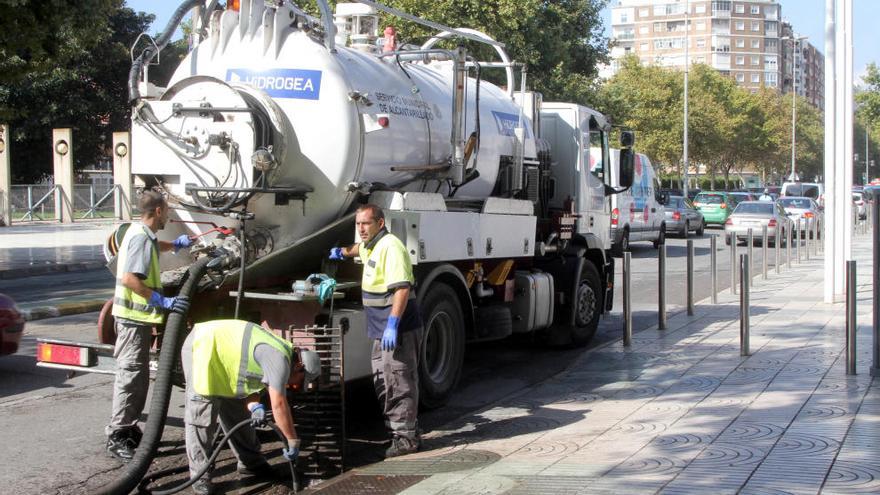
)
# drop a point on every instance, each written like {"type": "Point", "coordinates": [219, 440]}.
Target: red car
{"type": "Point", "coordinates": [11, 325]}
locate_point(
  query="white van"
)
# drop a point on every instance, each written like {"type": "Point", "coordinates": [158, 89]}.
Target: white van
{"type": "Point", "coordinates": [638, 213]}
{"type": "Point", "coordinates": [812, 190]}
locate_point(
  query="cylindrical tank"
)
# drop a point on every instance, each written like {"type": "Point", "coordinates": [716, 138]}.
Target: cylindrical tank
{"type": "Point", "coordinates": [339, 117]}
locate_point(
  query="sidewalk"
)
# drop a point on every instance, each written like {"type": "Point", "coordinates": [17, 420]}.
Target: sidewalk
{"type": "Point", "coordinates": [33, 249]}
{"type": "Point", "coordinates": [679, 412]}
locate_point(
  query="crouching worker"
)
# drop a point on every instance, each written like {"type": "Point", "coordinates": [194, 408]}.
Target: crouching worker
{"type": "Point", "coordinates": [227, 363]}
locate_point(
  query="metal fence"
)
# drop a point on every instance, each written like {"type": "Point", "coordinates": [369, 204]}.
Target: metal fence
{"type": "Point", "coordinates": [34, 202]}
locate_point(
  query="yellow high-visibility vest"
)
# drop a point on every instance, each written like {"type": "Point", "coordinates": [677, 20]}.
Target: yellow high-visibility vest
{"type": "Point", "coordinates": [126, 303]}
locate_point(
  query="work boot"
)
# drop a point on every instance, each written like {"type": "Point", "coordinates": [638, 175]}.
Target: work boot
{"type": "Point", "coordinates": [121, 445]}
{"type": "Point", "coordinates": [203, 487]}
{"type": "Point", "coordinates": [135, 434]}
{"type": "Point", "coordinates": [402, 446]}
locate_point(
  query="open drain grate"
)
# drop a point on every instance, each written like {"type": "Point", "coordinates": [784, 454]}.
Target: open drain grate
{"type": "Point", "coordinates": [320, 412]}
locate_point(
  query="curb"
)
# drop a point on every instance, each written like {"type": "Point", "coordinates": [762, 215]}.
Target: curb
{"type": "Point", "coordinates": [30, 271]}
{"type": "Point", "coordinates": [63, 309]}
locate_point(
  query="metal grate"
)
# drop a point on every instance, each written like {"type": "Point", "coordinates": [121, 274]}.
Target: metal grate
{"type": "Point", "coordinates": [320, 412]}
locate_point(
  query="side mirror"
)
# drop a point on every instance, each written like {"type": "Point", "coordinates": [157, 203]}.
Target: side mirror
{"type": "Point", "coordinates": [627, 139]}
{"type": "Point", "coordinates": [664, 198]}
{"type": "Point", "coordinates": [625, 171]}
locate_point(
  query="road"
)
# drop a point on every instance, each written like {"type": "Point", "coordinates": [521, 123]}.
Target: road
{"type": "Point", "coordinates": [53, 426]}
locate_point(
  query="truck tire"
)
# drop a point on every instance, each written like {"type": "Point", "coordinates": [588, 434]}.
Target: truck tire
{"type": "Point", "coordinates": [107, 324]}
{"type": "Point", "coordinates": [442, 353]}
{"type": "Point", "coordinates": [589, 306]}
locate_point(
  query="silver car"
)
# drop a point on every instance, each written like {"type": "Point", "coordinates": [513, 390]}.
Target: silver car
{"type": "Point", "coordinates": [683, 217]}
{"type": "Point", "coordinates": [804, 209]}
{"type": "Point", "coordinates": [754, 215]}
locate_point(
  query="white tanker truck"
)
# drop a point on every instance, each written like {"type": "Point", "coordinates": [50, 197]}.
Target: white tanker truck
{"type": "Point", "coordinates": [279, 124]}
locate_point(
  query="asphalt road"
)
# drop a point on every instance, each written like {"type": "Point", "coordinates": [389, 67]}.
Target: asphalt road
{"type": "Point", "coordinates": [52, 425]}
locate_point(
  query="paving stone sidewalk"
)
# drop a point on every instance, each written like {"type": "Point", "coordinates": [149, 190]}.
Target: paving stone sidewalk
{"type": "Point", "coordinates": [679, 412]}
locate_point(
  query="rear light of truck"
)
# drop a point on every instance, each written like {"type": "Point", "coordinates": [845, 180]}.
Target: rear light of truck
{"type": "Point", "coordinates": [615, 216]}
{"type": "Point", "coordinates": [808, 214]}
{"type": "Point", "coordinates": [772, 222]}
{"type": "Point", "coordinates": [676, 216]}
{"type": "Point", "coordinates": [723, 206]}
{"type": "Point", "coordinates": [63, 354]}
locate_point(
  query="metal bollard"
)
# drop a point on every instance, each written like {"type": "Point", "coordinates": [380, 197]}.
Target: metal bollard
{"type": "Point", "coordinates": [797, 243]}
{"type": "Point", "coordinates": [661, 293]}
{"type": "Point", "coordinates": [751, 242]}
{"type": "Point", "coordinates": [713, 262]}
{"type": "Point", "coordinates": [744, 306]}
{"type": "Point", "coordinates": [733, 262]}
{"type": "Point", "coordinates": [875, 223]}
{"type": "Point", "coordinates": [852, 326]}
{"type": "Point", "coordinates": [788, 248]}
{"type": "Point", "coordinates": [690, 277]}
{"type": "Point", "coordinates": [777, 240]}
{"type": "Point", "coordinates": [808, 239]}
{"type": "Point", "coordinates": [764, 252]}
{"type": "Point", "coordinates": [627, 299]}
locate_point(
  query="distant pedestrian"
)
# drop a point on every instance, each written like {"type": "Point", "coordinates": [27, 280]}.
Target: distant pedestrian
{"type": "Point", "coordinates": [138, 305]}
{"type": "Point", "coordinates": [765, 196]}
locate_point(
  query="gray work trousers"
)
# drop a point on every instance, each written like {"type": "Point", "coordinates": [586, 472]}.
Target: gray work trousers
{"type": "Point", "coordinates": [396, 380]}
{"type": "Point", "coordinates": [132, 353]}
{"type": "Point", "coordinates": [200, 423]}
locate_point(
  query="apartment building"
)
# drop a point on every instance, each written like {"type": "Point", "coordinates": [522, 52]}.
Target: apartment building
{"type": "Point", "coordinates": [803, 68]}
{"type": "Point", "coordinates": [740, 38]}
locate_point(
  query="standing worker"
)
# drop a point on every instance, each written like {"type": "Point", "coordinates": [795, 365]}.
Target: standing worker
{"type": "Point", "coordinates": [766, 195]}
{"type": "Point", "coordinates": [138, 305]}
{"type": "Point", "coordinates": [227, 363]}
{"type": "Point", "coordinates": [393, 322]}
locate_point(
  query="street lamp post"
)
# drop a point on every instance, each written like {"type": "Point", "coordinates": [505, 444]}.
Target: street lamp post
{"type": "Point", "coordinates": [687, 11]}
{"type": "Point", "coordinates": [794, 51]}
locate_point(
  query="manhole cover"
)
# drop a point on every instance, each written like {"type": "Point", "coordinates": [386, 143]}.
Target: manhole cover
{"type": "Point", "coordinates": [370, 485]}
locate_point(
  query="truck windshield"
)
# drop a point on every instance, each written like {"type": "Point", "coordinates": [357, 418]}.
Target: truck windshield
{"type": "Point", "coordinates": [806, 190]}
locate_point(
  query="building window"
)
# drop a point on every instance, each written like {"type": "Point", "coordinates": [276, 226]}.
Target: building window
{"type": "Point", "coordinates": [740, 60]}
{"type": "Point", "coordinates": [740, 43]}
{"type": "Point", "coordinates": [701, 25]}
{"type": "Point", "coordinates": [756, 60]}
{"type": "Point", "coordinates": [756, 26]}
{"type": "Point", "coordinates": [624, 18]}
{"type": "Point", "coordinates": [659, 27]}
{"type": "Point", "coordinates": [756, 44]}
{"type": "Point", "coordinates": [740, 25]}
{"type": "Point", "coordinates": [756, 78]}
{"type": "Point", "coordinates": [740, 8]}
{"type": "Point", "coordinates": [643, 47]}
{"type": "Point", "coordinates": [771, 79]}
{"type": "Point", "coordinates": [643, 29]}
{"type": "Point", "coordinates": [701, 42]}
{"type": "Point", "coordinates": [700, 8]}
{"type": "Point", "coordinates": [770, 26]}
{"type": "Point", "coordinates": [756, 9]}
{"type": "Point", "coordinates": [644, 12]}
{"type": "Point", "coordinates": [701, 60]}
{"type": "Point", "coordinates": [740, 77]}
{"type": "Point", "coordinates": [660, 10]}
{"type": "Point", "coordinates": [771, 44]}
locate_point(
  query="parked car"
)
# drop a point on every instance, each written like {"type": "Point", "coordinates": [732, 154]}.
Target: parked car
{"type": "Point", "coordinates": [11, 325]}
{"type": "Point", "coordinates": [682, 217]}
{"type": "Point", "coordinates": [802, 208]}
{"type": "Point", "coordinates": [860, 205]}
{"type": "Point", "coordinates": [754, 215]}
{"type": "Point", "coordinates": [813, 190]}
{"type": "Point", "coordinates": [637, 214]}
{"type": "Point", "coordinates": [715, 206]}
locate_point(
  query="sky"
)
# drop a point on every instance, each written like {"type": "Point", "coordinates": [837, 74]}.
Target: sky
{"type": "Point", "coordinates": [807, 17]}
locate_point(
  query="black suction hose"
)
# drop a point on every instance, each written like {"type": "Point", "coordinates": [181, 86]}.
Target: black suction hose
{"type": "Point", "coordinates": [137, 468]}
{"type": "Point", "coordinates": [146, 481]}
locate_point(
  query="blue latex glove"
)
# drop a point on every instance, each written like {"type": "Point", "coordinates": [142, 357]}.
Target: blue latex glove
{"type": "Point", "coordinates": [182, 241]}
{"type": "Point", "coordinates": [290, 453]}
{"type": "Point", "coordinates": [258, 415]}
{"type": "Point", "coordinates": [389, 336]}
{"type": "Point", "coordinates": [336, 254]}
{"type": "Point", "coordinates": [173, 304]}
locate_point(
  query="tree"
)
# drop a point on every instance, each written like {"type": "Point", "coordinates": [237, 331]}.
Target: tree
{"type": "Point", "coordinates": [868, 99]}
{"type": "Point", "coordinates": [87, 92]}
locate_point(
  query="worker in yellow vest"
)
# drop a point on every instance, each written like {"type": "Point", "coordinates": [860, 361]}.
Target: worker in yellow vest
{"type": "Point", "coordinates": [393, 322]}
{"type": "Point", "coordinates": [227, 364]}
{"type": "Point", "coordinates": [138, 305]}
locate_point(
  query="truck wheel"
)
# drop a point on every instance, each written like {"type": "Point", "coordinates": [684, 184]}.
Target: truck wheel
{"type": "Point", "coordinates": [589, 306]}
{"type": "Point", "coordinates": [443, 342]}
{"type": "Point", "coordinates": [107, 324]}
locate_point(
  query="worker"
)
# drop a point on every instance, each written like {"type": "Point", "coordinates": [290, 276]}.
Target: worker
{"type": "Point", "coordinates": [393, 322]}
{"type": "Point", "coordinates": [227, 364]}
{"type": "Point", "coordinates": [138, 306]}
{"type": "Point", "coordinates": [766, 196]}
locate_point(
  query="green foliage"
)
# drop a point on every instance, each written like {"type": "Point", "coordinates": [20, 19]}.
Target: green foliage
{"type": "Point", "coordinates": [729, 128]}
{"type": "Point", "coordinates": [84, 86]}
